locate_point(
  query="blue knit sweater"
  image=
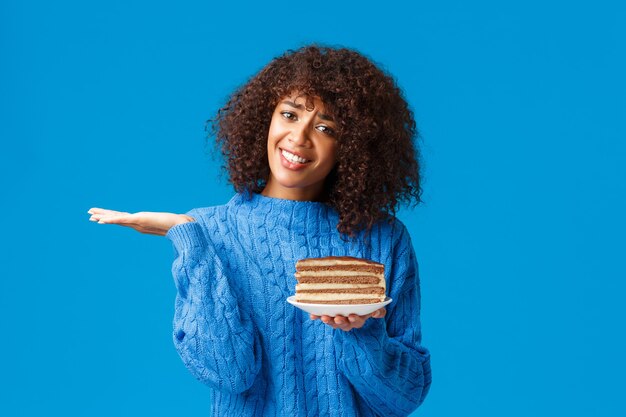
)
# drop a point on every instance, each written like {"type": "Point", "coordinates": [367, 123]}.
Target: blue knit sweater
{"type": "Point", "coordinates": [234, 269]}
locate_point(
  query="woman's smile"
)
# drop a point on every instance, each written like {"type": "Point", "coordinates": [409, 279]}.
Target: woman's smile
{"type": "Point", "coordinates": [292, 161]}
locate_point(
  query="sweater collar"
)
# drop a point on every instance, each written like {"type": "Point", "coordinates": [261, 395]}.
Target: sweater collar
{"type": "Point", "coordinates": [303, 210]}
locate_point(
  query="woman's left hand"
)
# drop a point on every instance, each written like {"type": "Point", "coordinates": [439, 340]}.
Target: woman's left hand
{"type": "Point", "coordinates": [351, 322]}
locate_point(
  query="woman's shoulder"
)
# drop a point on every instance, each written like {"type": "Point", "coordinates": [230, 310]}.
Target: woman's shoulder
{"type": "Point", "coordinates": [204, 215]}
{"type": "Point", "coordinates": [392, 228]}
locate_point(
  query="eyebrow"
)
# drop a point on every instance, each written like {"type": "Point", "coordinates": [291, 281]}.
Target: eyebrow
{"type": "Point", "coordinates": [300, 107]}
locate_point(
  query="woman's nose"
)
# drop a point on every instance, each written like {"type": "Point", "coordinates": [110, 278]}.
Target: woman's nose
{"type": "Point", "coordinates": [299, 135]}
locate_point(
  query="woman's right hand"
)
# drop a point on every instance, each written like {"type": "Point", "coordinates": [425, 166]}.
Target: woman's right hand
{"type": "Point", "coordinates": [144, 221]}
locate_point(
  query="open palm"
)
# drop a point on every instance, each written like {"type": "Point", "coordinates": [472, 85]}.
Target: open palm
{"type": "Point", "coordinates": [148, 222]}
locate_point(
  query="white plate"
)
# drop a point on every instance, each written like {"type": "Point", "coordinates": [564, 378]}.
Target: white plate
{"type": "Point", "coordinates": [333, 310]}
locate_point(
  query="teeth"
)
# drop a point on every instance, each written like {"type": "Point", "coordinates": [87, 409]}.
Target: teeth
{"type": "Point", "coordinates": [293, 158]}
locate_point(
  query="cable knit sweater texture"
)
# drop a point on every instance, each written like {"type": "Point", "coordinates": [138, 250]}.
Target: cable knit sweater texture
{"type": "Point", "coordinates": [234, 269]}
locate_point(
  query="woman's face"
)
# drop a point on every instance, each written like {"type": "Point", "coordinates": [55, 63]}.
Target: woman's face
{"type": "Point", "coordinates": [295, 134]}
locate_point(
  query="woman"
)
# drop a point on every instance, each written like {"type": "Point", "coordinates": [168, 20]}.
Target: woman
{"type": "Point", "coordinates": [318, 146]}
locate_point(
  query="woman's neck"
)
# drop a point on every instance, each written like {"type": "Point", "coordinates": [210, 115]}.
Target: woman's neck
{"type": "Point", "coordinates": [275, 190]}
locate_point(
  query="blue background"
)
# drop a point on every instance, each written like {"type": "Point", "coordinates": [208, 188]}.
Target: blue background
{"type": "Point", "coordinates": [520, 240]}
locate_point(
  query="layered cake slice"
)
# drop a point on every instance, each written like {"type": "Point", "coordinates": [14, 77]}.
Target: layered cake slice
{"type": "Point", "coordinates": [339, 280]}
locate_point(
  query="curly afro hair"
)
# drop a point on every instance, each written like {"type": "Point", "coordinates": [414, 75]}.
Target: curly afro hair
{"type": "Point", "coordinates": [377, 160]}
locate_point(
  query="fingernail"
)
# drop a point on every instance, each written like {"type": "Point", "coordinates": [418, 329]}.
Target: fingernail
{"type": "Point", "coordinates": [352, 319]}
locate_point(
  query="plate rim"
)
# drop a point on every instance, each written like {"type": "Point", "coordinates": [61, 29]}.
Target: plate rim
{"type": "Point", "coordinates": [292, 300]}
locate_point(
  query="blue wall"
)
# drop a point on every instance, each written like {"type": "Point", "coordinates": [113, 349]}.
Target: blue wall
{"type": "Point", "coordinates": [521, 110]}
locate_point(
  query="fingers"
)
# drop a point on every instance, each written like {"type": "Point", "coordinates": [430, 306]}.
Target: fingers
{"type": "Point", "coordinates": [113, 218]}
{"type": "Point", "coordinates": [334, 322]}
{"type": "Point", "coordinates": [96, 210]}
{"type": "Point", "coordinates": [343, 323]}
{"type": "Point", "coordinates": [351, 322]}
{"type": "Point", "coordinates": [102, 216]}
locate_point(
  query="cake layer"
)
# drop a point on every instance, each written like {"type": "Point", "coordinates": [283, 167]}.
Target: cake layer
{"type": "Point", "coordinates": [306, 286]}
{"type": "Point", "coordinates": [338, 272]}
{"type": "Point", "coordinates": [368, 290]}
{"type": "Point", "coordinates": [346, 280]}
{"type": "Point", "coordinates": [336, 260]}
{"type": "Point", "coordinates": [339, 296]}
{"type": "Point", "coordinates": [339, 263]}
{"type": "Point", "coordinates": [342, 268]}
{"type": "Point", "coordinates": [353, 301]}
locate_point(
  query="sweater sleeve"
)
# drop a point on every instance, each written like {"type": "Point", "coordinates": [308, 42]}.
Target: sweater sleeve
{"type": "Point", "coordinates": [384, 360]}
{"type": "Point", "coordinates": [217, 343]}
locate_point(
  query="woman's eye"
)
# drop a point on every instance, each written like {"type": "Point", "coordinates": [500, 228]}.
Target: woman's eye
{"type": "Point", "coordinates": [288, 115]}
{"type": "Point", "coordinates": [327, 130]}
